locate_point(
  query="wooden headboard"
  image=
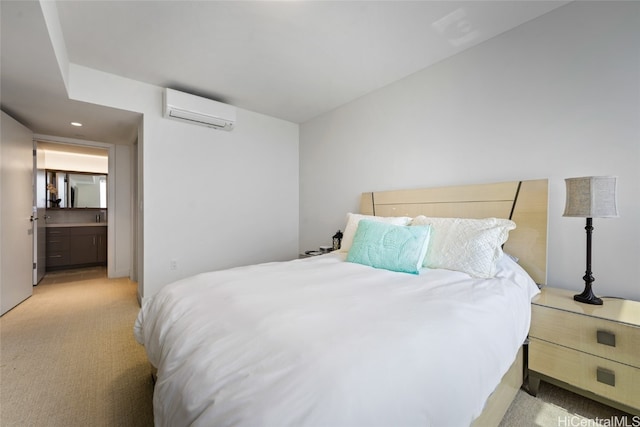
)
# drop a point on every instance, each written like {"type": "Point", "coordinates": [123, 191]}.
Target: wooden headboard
{"type": "Point", "coordinates": [524, 202]}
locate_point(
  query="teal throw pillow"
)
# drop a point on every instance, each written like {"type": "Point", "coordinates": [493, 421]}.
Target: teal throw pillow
{"type": "Point", "coordinates": [390, 247]}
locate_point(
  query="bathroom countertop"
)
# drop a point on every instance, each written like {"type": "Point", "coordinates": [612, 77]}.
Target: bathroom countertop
{"type": "Point", "coordinates": [78, 224]}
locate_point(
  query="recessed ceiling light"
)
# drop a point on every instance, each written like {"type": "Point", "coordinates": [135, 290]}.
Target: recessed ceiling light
{"type": "Point", "coordinates": [76, 124]}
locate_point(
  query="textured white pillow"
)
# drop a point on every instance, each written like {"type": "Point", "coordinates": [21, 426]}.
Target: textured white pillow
{"type": "Point", "coordinates": [472, 246]}
{"type": "Point", "coordinates": [354, 219]}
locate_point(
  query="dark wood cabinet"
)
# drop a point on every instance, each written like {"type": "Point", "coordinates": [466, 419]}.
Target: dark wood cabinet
{"type": "Point", "coordinates": [102, 246]}
{"type": "Point", "coordinates": [76, 247]}
{"type": "Point", "coordinates": [57, 248]}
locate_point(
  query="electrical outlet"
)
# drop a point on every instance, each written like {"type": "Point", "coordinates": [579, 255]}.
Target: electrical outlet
{"type": "Point", "coordinates": [174, 264]}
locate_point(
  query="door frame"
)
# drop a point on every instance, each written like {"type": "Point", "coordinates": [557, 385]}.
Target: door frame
{"type": "Point", "coordinates": [39, 213]}
{"type": "Point", "coordinates": [111, 187]}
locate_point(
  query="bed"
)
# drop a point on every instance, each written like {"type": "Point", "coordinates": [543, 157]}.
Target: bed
{"type": "Point", "coordinates": [333, 340]}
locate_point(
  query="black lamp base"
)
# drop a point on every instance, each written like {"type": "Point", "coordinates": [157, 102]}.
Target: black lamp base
{"type": "Point", "coordinates": [588, 297]}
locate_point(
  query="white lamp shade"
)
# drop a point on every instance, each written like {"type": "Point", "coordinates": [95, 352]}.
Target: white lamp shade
{"type": "Point", "coordinates": [591, 197]}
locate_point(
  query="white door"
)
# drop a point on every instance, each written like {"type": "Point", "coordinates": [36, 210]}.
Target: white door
{"type": "Point", "coordinates": [39, 212]}
{"type": "Point", "coordinates": [16, 206]}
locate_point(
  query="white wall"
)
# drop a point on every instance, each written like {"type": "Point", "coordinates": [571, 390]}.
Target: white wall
{"type": "Point", "coordinates": [210, 199]}
{"type": "Point", "coordinates": [16, 195]}
{"type": "Point", "coordinates": [554, 98]}
{"type": "Point", "coordinates": [121, 221]}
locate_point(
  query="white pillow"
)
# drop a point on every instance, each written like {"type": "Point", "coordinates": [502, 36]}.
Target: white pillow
{"type": "Point", "coordinates": [352, 226]}
{"type": "Point", "coordinates": [472, 246]}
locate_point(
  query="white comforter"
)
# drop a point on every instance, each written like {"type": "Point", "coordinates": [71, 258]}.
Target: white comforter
{"type": "Point", "coordinates": [324, 342]}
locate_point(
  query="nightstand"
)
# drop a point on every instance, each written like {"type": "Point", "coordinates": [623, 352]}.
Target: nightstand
{"type": "Point", "coordinates": [308, 254]}
{"type": "Point", "coordinates": [588, 349]}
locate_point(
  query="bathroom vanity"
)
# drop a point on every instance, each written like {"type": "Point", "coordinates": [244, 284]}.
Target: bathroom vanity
{"type": "Point", "coordinates": [76, 245]}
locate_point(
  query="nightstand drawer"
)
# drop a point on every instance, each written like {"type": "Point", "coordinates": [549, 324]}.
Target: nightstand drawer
{"type": "Point", "coordinates": [611, 340]}
{"type": "Point", "coordinates": [603, 377]}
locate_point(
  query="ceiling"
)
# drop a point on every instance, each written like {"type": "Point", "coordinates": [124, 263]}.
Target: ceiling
{"type": "Point", "coordinates": [288, 59]}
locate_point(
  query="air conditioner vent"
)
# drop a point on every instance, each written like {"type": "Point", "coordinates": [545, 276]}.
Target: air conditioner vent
{"type": "Point", "coordinates": [199, 111]}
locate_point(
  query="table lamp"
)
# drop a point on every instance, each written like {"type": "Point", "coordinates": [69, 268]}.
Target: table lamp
{"type": "Point", "coordinates": [590, 197]}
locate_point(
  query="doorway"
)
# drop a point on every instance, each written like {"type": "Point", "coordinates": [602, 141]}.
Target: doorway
{"type": "Point", "coordinates": [69, 234]}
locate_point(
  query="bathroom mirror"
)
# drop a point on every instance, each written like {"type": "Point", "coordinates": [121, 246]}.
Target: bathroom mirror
{"type": "Point", "coordinates": [76, 190]}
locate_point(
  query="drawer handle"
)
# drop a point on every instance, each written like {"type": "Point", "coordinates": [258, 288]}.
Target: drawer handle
{"type": "Point", "coordinates": [606, 338]}
{"type": "Point", "coordinates": [606, 376]}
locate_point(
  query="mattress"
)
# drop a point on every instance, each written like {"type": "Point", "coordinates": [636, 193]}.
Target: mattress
{"type": "Point", "coordinates": [324, 342]}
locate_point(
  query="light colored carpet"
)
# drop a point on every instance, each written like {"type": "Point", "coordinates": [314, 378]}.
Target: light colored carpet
{"type": "Point", "coordinates": [556, 407]}
{"type": "Point", "coordinates": [68, 355]}
{"type": "Point", "coordinates": [68, 358]}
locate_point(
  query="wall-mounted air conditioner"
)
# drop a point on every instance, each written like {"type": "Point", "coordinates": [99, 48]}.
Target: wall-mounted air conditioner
{"type": "Point", "coordinates": [198, 111]}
